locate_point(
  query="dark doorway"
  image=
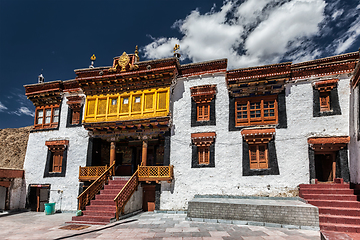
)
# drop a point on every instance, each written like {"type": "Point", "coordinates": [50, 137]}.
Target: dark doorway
{"type": "Point", "coordinates": [149, 198]}
{"type": "Point", "coordinates": [325, 167]}
{"type": "Point", "coordinates": [38, 196]}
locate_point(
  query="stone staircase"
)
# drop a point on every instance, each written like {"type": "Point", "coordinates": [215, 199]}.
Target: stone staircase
{"type": "Point", "coordinates": [339, 206]}
{"type": "Point", "coordinates": [102, 209]}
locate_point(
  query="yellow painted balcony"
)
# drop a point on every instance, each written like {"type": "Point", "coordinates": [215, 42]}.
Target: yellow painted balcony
{"type": "Point", "coordinates": [155, 173]}
{"type": "Point", "coordinates": [148, 103]}
{"type": "Point", "coordinates": [91, 173]}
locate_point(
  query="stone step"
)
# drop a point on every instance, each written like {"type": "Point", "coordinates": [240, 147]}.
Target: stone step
{"type": "Point", "coordinates": [99, 213]}
{"type": "Point", "coordinates": [113, 187]}
{"type": "Point", "coordinates": [326, 191]}
{"type": "Point", "coordinates": [101, 208]}
{"type": "Point", "coordinates": [334, 203]}
{"type": "Point", "coordinates": [351, 220]}
{"type": "Point", "coordinates": [325, 186]}
{"type": "Point", "coordinates": [109, 191]}
{"type": "Point", "coordinates": [92, 218]}
{"type": "Point", "coordinates": [102, 202]}
{"type": "Point", "coordinates": [105, 196]}
{"type": "Point", "coordinates": [86, 222]}
{"type": "Point", "coordinates": [339, 227]}
{"type": "Point", "coordinates": [339, 211]}
{"type": "Point", "coordinates": [339, 197]}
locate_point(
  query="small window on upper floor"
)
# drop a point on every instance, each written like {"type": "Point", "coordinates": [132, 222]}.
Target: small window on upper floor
{"type": "Point", "coordinates": [325, 98]}
{"type": "Point", "coordinates": [47, 117]}
{"type": "Point", "coordinates": [74, 111]}
{"type": "Point", "coordinates": [203, 105]}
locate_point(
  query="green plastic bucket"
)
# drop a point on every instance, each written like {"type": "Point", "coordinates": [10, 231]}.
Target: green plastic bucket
{"type": "Point", "coordinates": [49, 208]}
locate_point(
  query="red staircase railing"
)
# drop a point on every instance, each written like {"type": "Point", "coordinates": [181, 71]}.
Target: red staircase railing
{"type": "Point", "coordinates": [126, 192]}
{"type": "Point", "coordinates": [85, 197]}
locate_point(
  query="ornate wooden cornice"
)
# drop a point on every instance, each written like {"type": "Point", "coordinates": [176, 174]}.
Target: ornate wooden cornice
{"type": "Point", "coordinates": [209, 67]}
{"type": "Point", "coordinates": [258, 135]}
{"type": "Point", "coordinates": [340, 64]}
{"type": "Point", "coordinates": [328, 143]}
{"type": "Point", "coordinates": [262, 80]}
{"type": "Point", "coordinates": [115, 79]}
{"type": "Point", "coordinates": [75, 102]}
{"type": "Point", "coordinates": [150, 126]}
{"type": "Point", "coordinates": [203, 94]}
{"type": "Point", "coordinates": [43, 94]}
{"type": "Point", "coordinates": [356, 77]}
{"type": "Point", "coordinates": [326, 85]}
{"type": "Point", "coordinates": [57, 145]}
{"type": "Point", "coordinates": [203, 139]}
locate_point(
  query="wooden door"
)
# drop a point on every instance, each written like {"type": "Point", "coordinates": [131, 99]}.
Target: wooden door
{"type": "Point", "coordinates": [149, 198]}
{"type": "Point", "coordinates": [325, 166]}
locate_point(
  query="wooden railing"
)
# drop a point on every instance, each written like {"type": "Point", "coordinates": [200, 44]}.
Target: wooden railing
{"type": "Point", "coordinates": [156, 173]}
{"type": "Point", "coordinates": [91, 173]}
{"type": "Point", "coordinates": [85, 197]}
{"type": "Point", "coordinates": [126, 192]}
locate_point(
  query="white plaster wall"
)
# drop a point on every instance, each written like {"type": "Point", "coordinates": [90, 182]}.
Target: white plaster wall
{"type": "Point", "coordinates": [135, 201]}
{"type": "Point", "coordinates": [17, 194]}
{"type": "Point", "coordinates": [226, 178]}
{"type": "Point", "coordinates": [64, 190]}
{"type": "Point", "coordinates": [354, 146]}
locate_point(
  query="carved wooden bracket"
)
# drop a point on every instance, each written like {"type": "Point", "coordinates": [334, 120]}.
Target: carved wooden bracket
{"type": "Point", "coordinates": [203, 94]}
{"type": "Point", "coordinates": [258, 136]}
{"type": "Point", "coordinates": [57, 145]}
{"type": "Point", "coordinates": [203, 139]}
{"type": "Point", "coordinates": [326, 86]}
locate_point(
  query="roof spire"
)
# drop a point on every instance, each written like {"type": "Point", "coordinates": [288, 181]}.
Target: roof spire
{"type": "Point", "coordinates": [41, 78]}
{"type": "Point", "coordinates": [176, 51]}
{"type": "Point", "coordinates": [93, 58]}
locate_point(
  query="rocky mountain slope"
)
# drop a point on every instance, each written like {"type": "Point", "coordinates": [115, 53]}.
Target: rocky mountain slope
{"type": "Point", "coordinates": [13, 143]}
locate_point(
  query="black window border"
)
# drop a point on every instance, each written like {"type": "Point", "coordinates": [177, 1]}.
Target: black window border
{"type": "Point", "coordinates": [334, 103]}
{"type": "Point", "coordinates": [194, 159]}
{"type": "Point", "coordinates": [272, 161]}
{"type": "Point", "coordinates": [282, 115]}
{"type": "Point", "coordinates": [212, 121]}
{"type": "Point", "coordinates": [48, 164]}
{"type": "Point", "coordinates": [69, 118]}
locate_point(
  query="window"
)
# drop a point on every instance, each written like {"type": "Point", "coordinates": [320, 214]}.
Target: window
{"type": "Point", "coordinates": [56, 159]}
{"type": "Point", "coordinates": [325, 97]}
{"type": "Point", "coordinates": [259, 153]}
{"type": "Point", "coordinates": [203, 112]}
{"type": "Point", "coordinates": [256, 111]}
{"type": "Point", "coordinates": [203, 155]}
{"type": "Point", "coordinates": [203, 149]}
{"type": "Point", "coordinates": [47, 117]}
{"type": "Point", "coordinates": [75, 110]}
{"type": "Point", "coordinates": [258, 156]}
{"type": "Point", "coordinates": [203, 105]}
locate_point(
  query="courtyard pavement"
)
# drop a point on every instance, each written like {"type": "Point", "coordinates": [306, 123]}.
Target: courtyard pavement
{"type": "Point", "coordinates": [146, 225]}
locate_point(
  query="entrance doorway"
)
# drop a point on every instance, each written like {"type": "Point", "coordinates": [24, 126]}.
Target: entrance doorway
{"type": "Point", "coordinates": [149, 198]}
{"type": "Point", "coordinates": [38, 196]}
{"type": "Point", "coordinates": [325, 166]}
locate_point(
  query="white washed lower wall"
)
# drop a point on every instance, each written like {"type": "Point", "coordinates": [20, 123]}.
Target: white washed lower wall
{"type": "Point", "coordinates": [226, 178]}
{"type": "Point", "coordinates": [354, 146]}
{"type": "Point", "coordinates": [17, 194]}
{"type": "Point", "coordinates": [64, 190]}
{"type": "Point", "coordinates": [135, 201]}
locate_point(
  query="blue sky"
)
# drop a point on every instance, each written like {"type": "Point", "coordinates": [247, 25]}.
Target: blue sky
{"type": "Point", "coordinates": [56, 37]}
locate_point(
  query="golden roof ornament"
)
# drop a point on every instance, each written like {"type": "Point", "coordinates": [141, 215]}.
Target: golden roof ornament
{"type": "Point", "coordinates": [137, 54]}
{"type": "Point", "coordinates": [176, 51]}
{"type": "Point", "coordinates": [123, 61]}
{"type": "Point", "coordinates": [92, 58]}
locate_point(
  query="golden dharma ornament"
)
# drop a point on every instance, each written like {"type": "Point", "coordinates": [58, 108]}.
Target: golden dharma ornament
{"type": "Point", "coordinates": [123, 61]}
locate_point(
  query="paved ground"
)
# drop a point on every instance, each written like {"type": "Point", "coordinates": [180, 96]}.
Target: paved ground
{"type": "Point", "coordinates": [164, 226]}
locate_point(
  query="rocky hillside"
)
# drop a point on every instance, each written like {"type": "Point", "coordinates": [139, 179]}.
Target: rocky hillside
{"type": "Point", "coordinates": [13, 143]}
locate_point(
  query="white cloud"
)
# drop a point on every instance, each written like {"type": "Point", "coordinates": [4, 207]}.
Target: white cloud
{"type": "Point", "coordinates": [252, 33]}
{"type": "Point", "coordinates": [24, 111]}
{"type": "Point", "coordinates": [2, 107]}
{"type": "Point", "coordinates": [351, 35]}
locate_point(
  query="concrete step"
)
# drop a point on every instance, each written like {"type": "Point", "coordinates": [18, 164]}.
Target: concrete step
{"type": "Point", "coordinates": [332, 203]}
{"type": "Point", "coordinates": [338, 197]}
{"type": "Point", "coordinates": [339, 211]}
{"type": "Point", "coordinates": [109, 191]}
{"type": "Point", "coordinates": [339, 227]}
{"type": "Point", "coordinates": [113, 187]}
{"type": "Point", "coordinates": [351, 220]}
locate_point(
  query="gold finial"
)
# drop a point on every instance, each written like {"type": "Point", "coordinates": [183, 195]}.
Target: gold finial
{"type": "Point", "coordinates": [177, 47]}
{"type": "Point", "coordinates": [137, 53]}
{"type": "Point", "coordinates": [93, 58]}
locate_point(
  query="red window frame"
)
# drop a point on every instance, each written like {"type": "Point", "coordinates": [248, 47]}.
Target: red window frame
{"type": "Point", "coordinates": [54, 118]}
{"type": "Point", "coordinates": [204, 155]}
{"type": "Point", "coordinates": [203, 111]}
{"type": "Point", "coordinates": [258, 156]}
{"type": "Point", "coordinates": [256, 111]}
